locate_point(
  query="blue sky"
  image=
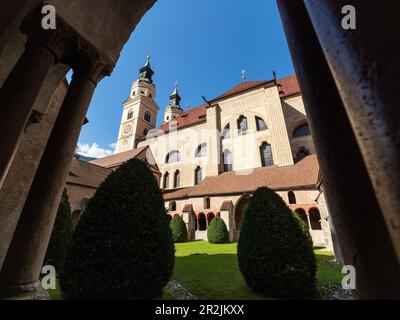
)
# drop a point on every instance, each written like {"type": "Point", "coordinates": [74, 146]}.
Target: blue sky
{"type": "Point", "coordinates": [202, 44]}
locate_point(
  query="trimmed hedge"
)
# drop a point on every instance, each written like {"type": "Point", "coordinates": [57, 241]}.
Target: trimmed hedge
{"type": "Point", "coordinates": [122, 246]}
{"type": "Point", "coordinates": [217, 231]}
{"type": "Point", "coordinates": [275, 250]}
{"type": "Point", "coordinates": [178, 228]}
{"type": "Point", "coordinates": [61, 236]}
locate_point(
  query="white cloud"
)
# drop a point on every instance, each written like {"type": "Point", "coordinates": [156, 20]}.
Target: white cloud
{"type": "Point", "coordinates": [94, 150]}
{"type": "Point", "coordinates": [113, 146]}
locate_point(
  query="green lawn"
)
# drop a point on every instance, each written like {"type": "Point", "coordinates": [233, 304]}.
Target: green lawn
{"type": "Point", "coordinates": [211, 271]}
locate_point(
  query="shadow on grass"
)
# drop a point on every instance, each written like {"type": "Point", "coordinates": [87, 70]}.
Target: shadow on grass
{"type": "Point", "coordinates": [215, 276]}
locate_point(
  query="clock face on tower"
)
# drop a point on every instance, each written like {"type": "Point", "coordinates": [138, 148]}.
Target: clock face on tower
{"type": "Point", "coordinates": [128, 129]}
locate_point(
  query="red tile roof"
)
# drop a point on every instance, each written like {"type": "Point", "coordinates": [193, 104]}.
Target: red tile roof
{"type": "Point", "coordinates": [242, 87]}
{"type": "Point", "coordinates": [286, 86]}
{"type": "Point", "coordinates": [177, 193]}
{"type": "Point", "coordinates": [118, 158]}
{"type": "Point", "coordinates": [86, 174]}
{"type": "Point", "coordinates": [303, 174]}
{"type": "Point", "coordinates": [191, 117]}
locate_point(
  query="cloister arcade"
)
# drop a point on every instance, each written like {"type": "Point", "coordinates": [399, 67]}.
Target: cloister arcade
{"type": "Point", "coordinates": [353, 74]}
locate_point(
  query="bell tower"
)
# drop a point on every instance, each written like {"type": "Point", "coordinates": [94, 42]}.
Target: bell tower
{"type": "Point", "coordinates": [139, 110]}
{"type": "Point", "coordinates": [173, 109]}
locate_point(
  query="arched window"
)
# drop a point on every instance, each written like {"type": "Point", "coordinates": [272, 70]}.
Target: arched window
{"type": "Point", "coordinates": [292, 197]}
{"type": "Point", "coordinates": [147, 116]}
{"type": "Point", "coordinates": [177, 179]}
{"type": "Point", "coordinates": [198, 175]}
{"type": "Point", "coordinates": [173, 156]}
{"type": "Point", "coordinates": [166, 181]}
{"type": "Point", "coordinates": [201, 150]}
{"type": "Point", "coordinates": [228, 166]}
{"type": "Point", "coordinates": [303, 216]}
{"type": "Point", "coordinates": [145, 131]}
{"type": "Point", "coordinates": [210, 216]}
{"type": "Point", "coordinates": [242, 125]}
{"type": "Point", "coordinates": [207, 203]}
{"type": "Point", "coordinates": [315, 219]}
{"type": "Point", "coordinates": [266, 155]}
{"type": "Point", "coordinates": [172, 206]}
{"type": "Point", "coordinates": [202, 222]}
{"type": "Point", "coordinates": [301, 131]}
{"type": "Point", "coordinates": [260, 124]}
{"type": "Point", "coordinates": [169, 217]}
{"type": "Point", "coordinates": [130, 114]}
{"type": "Point", "coordinates": [226, 133]}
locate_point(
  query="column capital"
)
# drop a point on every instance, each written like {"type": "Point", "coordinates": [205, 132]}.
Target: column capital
{"type": "Point", "coordinates": [67, 46]}
{"type": "Point", "coordinates": [57, 41]}
{"type": "Point", "coordinates": [88, 62]}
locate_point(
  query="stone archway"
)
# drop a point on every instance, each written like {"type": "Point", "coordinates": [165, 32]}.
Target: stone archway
{"type": "Point", "coordinates": [315, 219]}
{"type": "Point", "coordinates": [303, 216]}
{"type": "Point", "coordinates": [210, 217]}
{"type": "Point", "coordinates": [309, 29]}
{"type": "Point", "coordinates": [202, 222]}
{"type": "Point", "coordinates": [240, 210]}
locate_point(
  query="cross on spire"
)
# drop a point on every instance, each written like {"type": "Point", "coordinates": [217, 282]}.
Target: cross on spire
{"type": "Point", "coordinates": [146, 72]}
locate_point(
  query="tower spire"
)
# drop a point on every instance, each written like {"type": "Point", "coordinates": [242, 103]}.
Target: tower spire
{"type": "Point", "coordinates": [146, 73]}
{"type": "Point", "coordinates": [174, 98]}
{"type": "Point", "coordinates": [174, 109]}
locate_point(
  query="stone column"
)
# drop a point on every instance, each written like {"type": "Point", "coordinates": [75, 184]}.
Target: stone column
{"type": "Point", "coordinates": [368, 57]}
{"type": "Point", "coordinates": [22, 87]}
{"type": "Point", "coordinates": [353, 205]}
{"type": "Point", "coordinates": [27, 158]}
{"type": "Point", "coordinates": [23, 263]}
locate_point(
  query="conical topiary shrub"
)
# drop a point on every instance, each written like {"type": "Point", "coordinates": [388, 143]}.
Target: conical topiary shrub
{"type": "Point", "coordinates": [275, 250]}
{"type": "Point", "coordinates": [61, 236]}
{"type": "Point", "coordinates": [179, 231]}
{"type": "Point", "coordinates": [122, 247]}
{"type": "Point", "coordinates": [217, 231]}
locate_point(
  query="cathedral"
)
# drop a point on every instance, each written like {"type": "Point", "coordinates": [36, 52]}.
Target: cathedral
{"type": "Point", "coordinates": [209, 159]}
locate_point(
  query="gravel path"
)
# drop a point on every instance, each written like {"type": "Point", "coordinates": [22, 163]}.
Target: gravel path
{"type": "Point", "coordinates": [179, 291]}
